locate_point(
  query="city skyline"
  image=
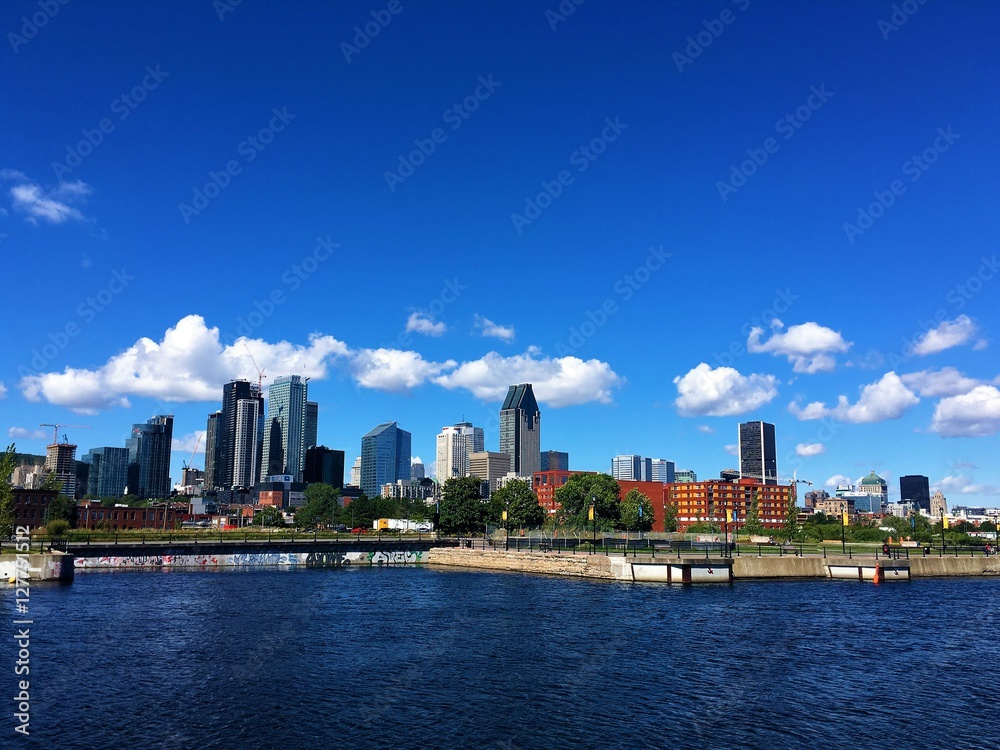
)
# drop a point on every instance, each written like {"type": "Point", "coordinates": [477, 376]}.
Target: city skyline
{"type": "Point", "coordinates": [512, 227]}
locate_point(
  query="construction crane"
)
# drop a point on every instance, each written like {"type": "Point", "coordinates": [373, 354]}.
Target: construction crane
{"type": "Point", "coordinates": [260, 372]}
{"type": "Point", "coordinates": [187, 464]}
{"type": "Point", "coordinates": [55, 430]}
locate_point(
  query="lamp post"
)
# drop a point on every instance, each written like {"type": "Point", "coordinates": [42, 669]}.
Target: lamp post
{"type": "Point", "coordinates": [729, 517]}
{"type": "Point", "coordinates": [506, 533]}
{"type": "Point", "coordinates": [592, 513]}
{"type": "Point", "coordinates": [944, 525]}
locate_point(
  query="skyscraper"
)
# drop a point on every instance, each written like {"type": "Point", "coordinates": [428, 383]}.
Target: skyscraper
{"type": "Point", "coordinates": [385, 457]}
{"type": "Point", "coordinates": [239, 436]}
{"type": "Point", "coordinates": [286, 407]}
{"type": "Point", "coordinates": [324, 465]}
{"type": "Point", "coordinates": [663, 471]}
{"type": "Point", "coordinates": [417, 470]}
{"type": "Point", "coordinates": [917, 489]}
{"type": "Point", "coordinates": [758, 456]}
{"type": "Point", "coordinates": [149, 458]}
{"type": "Point", "coordinates": [312, 424]}
{"type": "Point", "coordinates": [626, 467]}
{"type": "Point", "coordinates": [520, 430]}
{"type": "Point", "coordinates": [108, 471]}
{"type": "Point", "coordinates": [454, 444]}
{"type": "Point", "coordinates": [60, 459]}
{"type": "Point", "coordinates": [212, 450]}
{"type": "Point", "coordinates": [555, 461]}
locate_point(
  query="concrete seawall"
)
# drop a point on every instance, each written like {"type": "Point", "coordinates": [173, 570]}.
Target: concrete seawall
{"type": "Point", "coordinates": [49, 566]}
{"type": "Point", "coordinates": [581, 566]}
{"type": "Point", "coordinates": [746, 568]}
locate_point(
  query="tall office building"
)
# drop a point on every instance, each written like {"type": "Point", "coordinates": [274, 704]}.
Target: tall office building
{"type": "Point", "coordinates": [212, 450]}
{"type": "Point", "coordinates": [663, 470]}
{"type": "Point", "coordinates": [312, 424]}
{"type": "Point", "coordinates": [490, 467]}
{"type": "Point", "coordinates": [324, 465]}
{"type": "Point", "coordinates": [239, 436]}
{"type": "Point", "coordinates": [685, 476]}
{"type": "Point", "coordinates": [626, 467]}
{"type": "Point", "coordinates": [286, 409]}
{"type": "Point", "coordinates": [356, 472]}
{"type": "Point", "coordinates": [917, 489]}
{"type": "Point", "coordinates": [520, 430]}
{"type": "Point", "coordinates": [758, 456]}
{"type": "Point", "coordinates": [417, 470]}
{"type": "Point", "coordinates": [385, 457]}
{"type": "Point", "coordinates": [878, 489]}
{"type": "Point", "coordinates": [454, 444]}
{"type": "Point", "coordinates": [108, 471]}
{"type": "Point", "coordinates": [555, 461]}
{"type": "Point", "coordinates": [60, 459]}
{"type": "Point", "coordinates": [149, 458]}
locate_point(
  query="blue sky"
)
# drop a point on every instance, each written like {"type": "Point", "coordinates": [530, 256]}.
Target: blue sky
{"type": "Point", "coordinates": [669, 217]}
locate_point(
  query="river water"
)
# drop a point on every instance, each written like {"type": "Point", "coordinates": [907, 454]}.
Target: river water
{"type": "Point", "coordinates": [431, 658]}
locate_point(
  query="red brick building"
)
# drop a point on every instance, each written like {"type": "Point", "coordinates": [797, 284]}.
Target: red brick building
{"type": "Point", "coordinates": [545, 484]}
{"type": "Point", "coordinates": [30, 507]}
{"type": "Point", "coordinates": [91, 515]}
{"type": "Point", "coordinates": [709, 500]}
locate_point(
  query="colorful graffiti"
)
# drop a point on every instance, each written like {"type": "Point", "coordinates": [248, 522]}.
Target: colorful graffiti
{"type": "Point", "coordinates": [252, 559]}
{"type": "Point", "coordinates": [396, 557]}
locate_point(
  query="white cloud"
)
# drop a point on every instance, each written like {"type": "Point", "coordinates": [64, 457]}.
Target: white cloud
{"type": "Point", "coordinates": [24, 434]}
{"type": "Point", "coordinates": [972, 414]}
{"type": "Point", "coordinates": [944, 382]}
{"type": "Point", "coordinates": [393, 370]}
{"type": "Point", "coordinates": [3, 390]}
{"type": "Point", "coordinates": [722, 392]}
{"type": "Point", "coordinates": [191, 364]}
{"type": "Point", "coordinates": [416, 460]}
{"type": "Point", "coordinates": [886, 399]}
{"type": "Point", "coordinates": [810, 449]}
{"type": "Point", "coordinates": [419, 322]}
{"type": "Point", "coordinates": [56, 205]}
{"type": "Point", "coordinates": [809, 347]}
{"type": "Point", "coordinates": [188, 364]}
{"type": "Point", "coordinates": [959, 485]}
{"type": "Point", "coordinates": [950, 333]}
{"type": "Point", "coordinates": [564, 381]}
{"type": "Point", "coordinates": [706, 429]}
{"type": "Point", "coordinates": [495, 330]}
{"type": "Point", "coordinates": [188, 443]}
{"type": "Point", "coordinates": [733, 449]}
{"type": "Point", "coordinates": [837, 480]}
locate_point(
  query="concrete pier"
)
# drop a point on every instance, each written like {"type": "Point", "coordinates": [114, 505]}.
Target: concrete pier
{"type": "Point", "coordinates": [47, 566]}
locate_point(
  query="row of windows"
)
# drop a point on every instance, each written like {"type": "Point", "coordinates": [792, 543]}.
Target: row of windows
{"type": "Point", "coordinates": [32, 499]}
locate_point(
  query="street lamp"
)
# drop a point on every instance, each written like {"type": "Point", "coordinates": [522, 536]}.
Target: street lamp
{"type": "Point", "coordinates": [506, 533]}
{"type": "Point", "coordinates": [592, 514]}
{"type": "Point", "coordinates": [944, 525]}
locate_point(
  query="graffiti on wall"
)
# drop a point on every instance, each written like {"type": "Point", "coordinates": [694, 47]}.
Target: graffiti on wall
{"type": "Point", "coordinates": [253, 559]}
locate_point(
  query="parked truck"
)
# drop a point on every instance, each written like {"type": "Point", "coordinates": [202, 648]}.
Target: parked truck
{"type": "Point", "coordinates": [401, 524]}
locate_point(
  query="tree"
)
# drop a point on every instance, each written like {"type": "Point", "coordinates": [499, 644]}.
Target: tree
{"type": "Point", "coordinates": [576, 496]}
{"type": "Point", "coordinates": [321, 506]}
{"type": "Point", "coordinates": [463, 510]}
{"type": "Point", "coordinates": [8, 462]}
{"type": "Point", "coordinates": [62, 508]}
{"type": "Point", "coordinates": [57, 528]}
{"type": "Point", "coordinates": [521, 504]}
{"type": "Point", "coordinates": [630, 517]}
{"type": "Point", "coordinates": [791, 515]}
{"type": "Point", "coordinates": [670, 517]}
{"type": "Point", "coordinates": [269, 515]}
{"type": "Point", "coordinates": [752, 525]}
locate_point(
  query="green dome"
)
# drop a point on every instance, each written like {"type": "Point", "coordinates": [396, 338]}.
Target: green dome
{"type": "Point", "coordinates": [873, 478]}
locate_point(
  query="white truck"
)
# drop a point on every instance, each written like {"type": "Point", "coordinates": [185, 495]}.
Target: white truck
{"type": "Point", "coordinates": [401, 524]}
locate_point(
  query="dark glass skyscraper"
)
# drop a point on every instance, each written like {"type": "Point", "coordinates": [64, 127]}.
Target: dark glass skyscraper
{"type": "Point", "coordinates": [916, 488]}
{"type": "Point", "coordinates": [555, 461]}
{"type": "Point", "coordinates": [286, 404]}
{"type": "Point", "coordinates": [212, 450]}
{"type": "Point", "coordinates": [149, 458]}
{"type": "Point", "coordinates": [108, 471]}
{"type": "Point", "coordinates": [385, 457]}
{"type": "Point", "coordinates": [520, 430]}
{"type": "Point", "coordinates": [240, 435]}
{"type": "Point", "coordinates": [324, 465]}
{"type": "Point", "coordinates": [758, 456]}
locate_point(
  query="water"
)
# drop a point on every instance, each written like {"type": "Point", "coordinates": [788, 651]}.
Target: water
{"type": "Point", "coordinates": [424, 658]}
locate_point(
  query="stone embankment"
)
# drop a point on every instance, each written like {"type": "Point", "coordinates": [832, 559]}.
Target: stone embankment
{"type": "Point", "coordinates": [582, 566]}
